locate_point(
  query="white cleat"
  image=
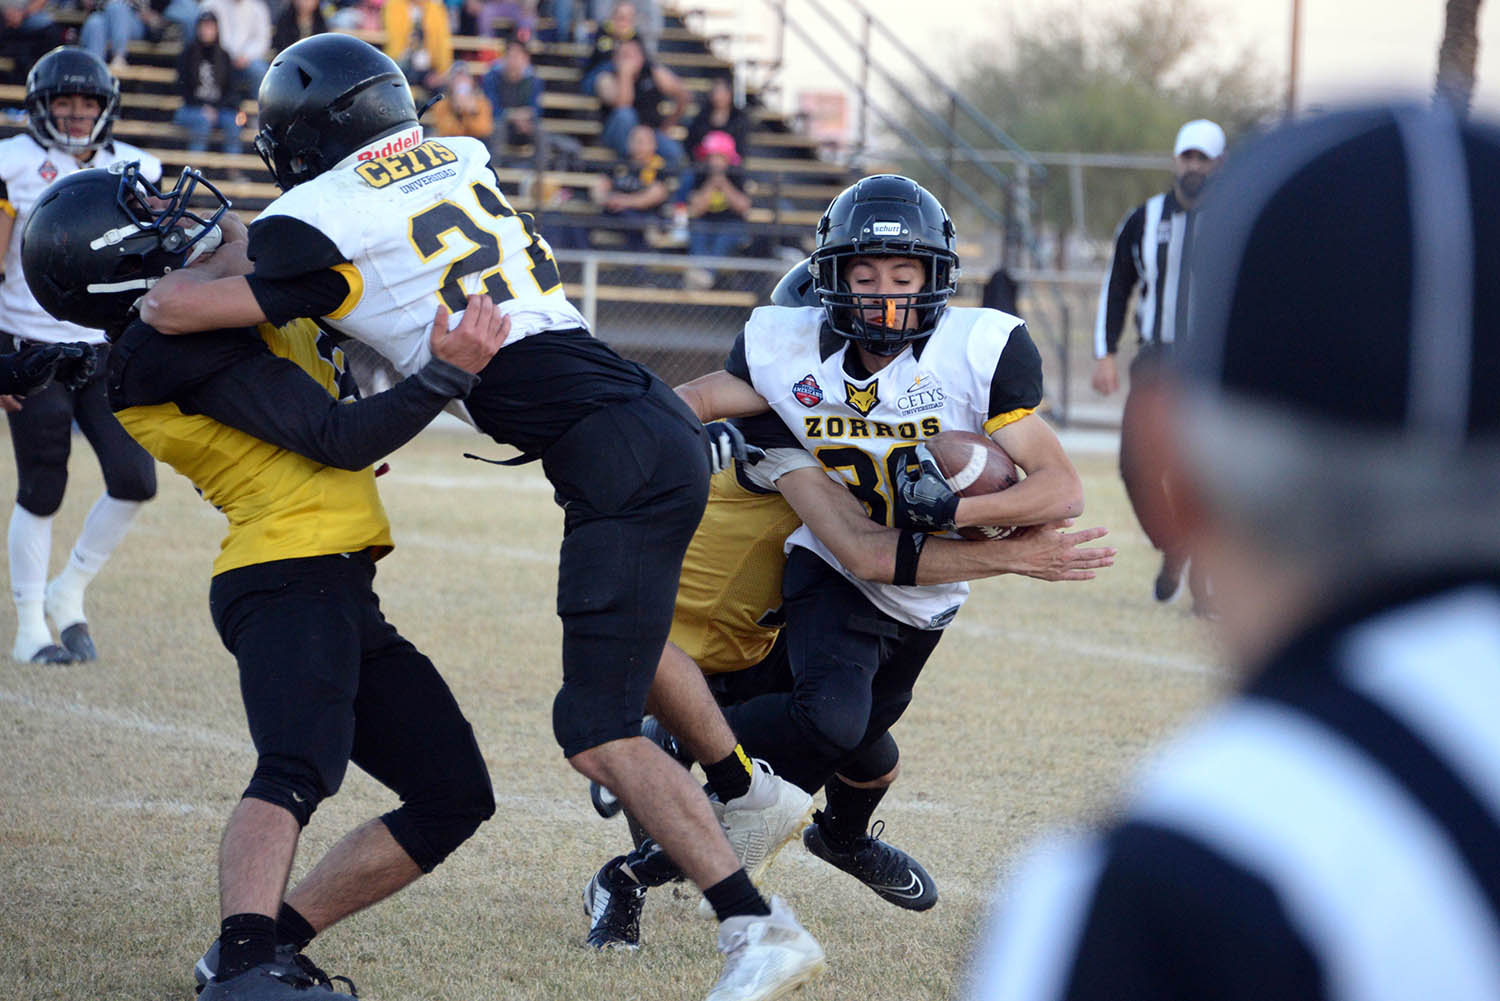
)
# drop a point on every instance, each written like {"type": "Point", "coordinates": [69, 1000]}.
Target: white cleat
{"type": "Point", "coordinates": [766, 957]}
{"type": "Point", "coordinates": [761, 822]}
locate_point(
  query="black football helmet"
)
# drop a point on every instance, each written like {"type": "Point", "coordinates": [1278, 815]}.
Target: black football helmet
{"type": "Point", "coordinates": [97, 240]}
{"type": "Point", "coordinates": [885, 215]}
{"type": "Point", "coordinates": [797, 287]}
{"type": "Point", "coordinates": [323, 99]}
{"type": "Point", "coordinates": [70, 70]}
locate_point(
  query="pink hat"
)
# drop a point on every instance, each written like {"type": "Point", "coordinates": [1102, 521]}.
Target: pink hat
{"type": "Point", "coordinates": [720, 142]}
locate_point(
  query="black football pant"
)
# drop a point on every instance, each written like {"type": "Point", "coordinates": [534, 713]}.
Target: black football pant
{"type": "Point", "coordinates": [853, 670]}
{"type": "Point", "coordinates": [327, 680]}
{"type": "Point", "coordinates": [41, 433]}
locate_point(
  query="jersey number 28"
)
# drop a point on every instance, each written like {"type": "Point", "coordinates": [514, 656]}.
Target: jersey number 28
{"type": "Point", "coordinates": [447, 225]}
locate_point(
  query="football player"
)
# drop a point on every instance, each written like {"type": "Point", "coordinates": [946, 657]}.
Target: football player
{"type": "Point", "coordinates": [377, 225]}
{"type": "Point", "coordinates": [728, 621]}
{"type": "Point", "coordinates": [71, 101]}
{"type": "Point", "coordinates": [262, 422]}
{"type": "Point", "coordinates": [859, 382]}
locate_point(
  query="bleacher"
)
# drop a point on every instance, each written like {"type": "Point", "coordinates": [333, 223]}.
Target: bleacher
{"type": "Point", "coordinates": [791, 184]}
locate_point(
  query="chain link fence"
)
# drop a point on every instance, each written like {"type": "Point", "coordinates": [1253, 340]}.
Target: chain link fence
{"type": "Point", "coordinates": [679, 316]}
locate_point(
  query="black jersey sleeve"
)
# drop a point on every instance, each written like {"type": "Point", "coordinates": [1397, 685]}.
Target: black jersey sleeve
{"type": "Point", "coordinates": [231, 380]}
{"type": "Point", "coordinates": [298, 270]}
{"type": "Point", "coordinates": [1171, 918]}
{"type": "Point", "coordinates": [736, 364]}
{"type": "Point", "coordinates": [766, 431]}
{"type": "Point", "coordinates": [1017, 382]}
{"type": "Point", "coordinates": [1123, 277]}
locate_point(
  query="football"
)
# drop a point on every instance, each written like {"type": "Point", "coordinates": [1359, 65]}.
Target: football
{"type": "Point", "coordinates": [973, 465]}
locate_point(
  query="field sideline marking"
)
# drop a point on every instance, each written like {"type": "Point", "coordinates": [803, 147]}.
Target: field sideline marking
{"type": "Point", "coordinates": [127, 720]}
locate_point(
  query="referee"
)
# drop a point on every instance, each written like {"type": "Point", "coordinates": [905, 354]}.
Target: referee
{"type": "Point", "coordinates": [1150, 248]}
{"type": "Point", "coordinates": [1333, 830]}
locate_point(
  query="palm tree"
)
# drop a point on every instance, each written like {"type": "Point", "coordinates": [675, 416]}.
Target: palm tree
{"type": "Point", "coordinates": [1457, 55]}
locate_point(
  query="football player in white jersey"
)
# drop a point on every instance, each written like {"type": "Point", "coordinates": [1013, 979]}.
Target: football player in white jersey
{"type": "Point", "coordinates": [71, 101]}
{"type": "Point", "coordinates": [860, 382]}
{"type": "Point", "coordinates": [376, 226]}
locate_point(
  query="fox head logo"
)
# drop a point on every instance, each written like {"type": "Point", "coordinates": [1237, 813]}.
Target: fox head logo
{"type": "Point", "coordinates": [862, 400]}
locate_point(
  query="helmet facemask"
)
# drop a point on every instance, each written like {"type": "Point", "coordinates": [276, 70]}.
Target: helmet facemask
{"type": "Point", "coordinates": [847, 311]}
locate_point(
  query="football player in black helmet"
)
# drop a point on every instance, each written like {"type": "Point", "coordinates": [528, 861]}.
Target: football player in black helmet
{"type": "Point", "coordinates": [265, 424]}
{"type": "Point", "coordinates": [96, 241]}
{"type": "Point", "coordinates": [884, 306]}
{"type": "Point", "coordinates": [325, 97]}
{"type": "Point", "coordinates": [70, 102]}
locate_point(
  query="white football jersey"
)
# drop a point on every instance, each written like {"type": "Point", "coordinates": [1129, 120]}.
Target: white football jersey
{"type": "Point", "coordinates": [26, 169]}
{"type": "Point", "coordinates": [863, 429]}
{"type": "Point", "coordinates": [423, 224]}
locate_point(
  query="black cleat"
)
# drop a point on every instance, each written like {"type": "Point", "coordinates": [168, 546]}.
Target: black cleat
{"type": "Point", "coordinates": [614, 914]}
{"type": "Point", "coordinates": [52, 654]}
{"type": "Point", "coordinates": [78, 642]}
{"type": "Point", "coordinates": [890, 872]}
{"type": "Point", "coordinates": [289, 966]}
{"type": "Point", "coordinates": [298, 980]}
{"type": "Point", "coordinates": [1169, 577]}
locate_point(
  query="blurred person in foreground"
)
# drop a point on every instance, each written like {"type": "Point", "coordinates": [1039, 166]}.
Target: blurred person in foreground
{"type": "Point", "coordinates": [1331, 431]}
{"type": "Point", "coordinates": [1151, 248]}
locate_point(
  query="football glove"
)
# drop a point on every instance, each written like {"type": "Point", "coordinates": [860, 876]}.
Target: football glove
{"type": "Point", "coordinates": [29, 369]}
{"type": "Point", "coordinates": [924, 501]}
{"type": "Point", "coordinates": [726, 444]}
{"type": "Point", "coordinates": [76, 364]}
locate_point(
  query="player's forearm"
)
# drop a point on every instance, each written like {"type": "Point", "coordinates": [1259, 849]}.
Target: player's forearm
{"type": "Point", "coordinates": [1052, 493]}
{"type": "Point", "coordinates": [190, 300]}
{"type": "Point", "coordinates": [720, 395]}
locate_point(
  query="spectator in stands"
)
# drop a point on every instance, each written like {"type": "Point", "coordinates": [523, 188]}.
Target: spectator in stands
{"type": "Point", "coordinates": [637, 187]}
{"type": "Point", "coordinates": [418, 37]}
{"type": "Point", "coordinates": [511, 19]}
{"type": "Point", "coordinates": [619, 27]}
{"type": "Point", "coordinates": [245, 33]}
{"type": "Point", "coordinates": [358, 15]}
{"type": "Point", "coordinates": [112, 26]}
{"type": "Point", "coordinates": [515, 94]}
{"type": "Point", "coordinates": [298, 19]}
{"type": "Point", "coordinates": [206, 82]}
{"type": "Point", "coordinates": [720, 114]}
{"type": "Point", "coordinates": [718, 205]}
{"type": "Point", "coordinates": [637, 91]}
{"type": "Point", "coordinates": [27, 32]}
{"type": "Point", "coordinates": [466, 112]}
{"type": "Point", "coordinates": [648, 19]}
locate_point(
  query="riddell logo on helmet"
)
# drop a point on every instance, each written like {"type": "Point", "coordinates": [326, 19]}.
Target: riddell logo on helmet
{"type": "Point", "coordinates": [391, 145]}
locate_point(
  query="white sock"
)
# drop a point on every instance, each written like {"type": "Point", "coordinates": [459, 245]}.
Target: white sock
{"type": "Point", "coordinates": [30, 544]}
{"type": "Point", "coordinates": [107, 522]}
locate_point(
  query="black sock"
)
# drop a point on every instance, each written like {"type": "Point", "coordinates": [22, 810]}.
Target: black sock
{"type": "Point", "coordinates": [292, 927]}
{"type": "Point", "coordinates": [734, 896]}
{"type": "Point", "coordinates": [848, 812]}
{"type": "Point", "coordinates": [647, 865]}
{"type": "Point", "coordinates": [730, 778]}
{"type": "Point", "coordinates": [245, 941]}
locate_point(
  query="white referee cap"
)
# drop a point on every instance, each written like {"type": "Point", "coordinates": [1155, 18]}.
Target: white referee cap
{"type": "Point", "coordinates": [1202, 135]}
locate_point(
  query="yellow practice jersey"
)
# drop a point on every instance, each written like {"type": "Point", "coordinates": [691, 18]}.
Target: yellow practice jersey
{"type": "Point", "coordinates": [729, 599]}
{"type": "Point", "coordinates": [280, 505]}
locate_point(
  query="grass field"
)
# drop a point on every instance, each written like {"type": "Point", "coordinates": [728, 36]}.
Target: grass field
{"type": "Point", "coordinates": [116, 777]}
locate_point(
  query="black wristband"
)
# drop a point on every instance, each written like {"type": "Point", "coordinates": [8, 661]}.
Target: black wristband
{"type": "Point", "coordinates": [908, 552]}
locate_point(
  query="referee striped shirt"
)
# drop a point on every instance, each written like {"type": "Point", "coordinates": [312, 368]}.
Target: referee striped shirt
{"type": "Point", "coordinates": [1150, 248]}
{"type": "Point", "coordinates": [1330, 833]}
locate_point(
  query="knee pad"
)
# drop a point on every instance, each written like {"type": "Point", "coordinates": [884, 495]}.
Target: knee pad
{"type": "Point", "coordinates": [833, 728]}
{"type": "Point", "coordinates": [431, 828]}
{"type": "Point", "coordinates": [133, 485]}
{"type": "Point", "coordinates": [40, 489]}
{"type": "Point", "coordinates": [875, 761]}
{"type": "Point", "coordinates": [291, 784]}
